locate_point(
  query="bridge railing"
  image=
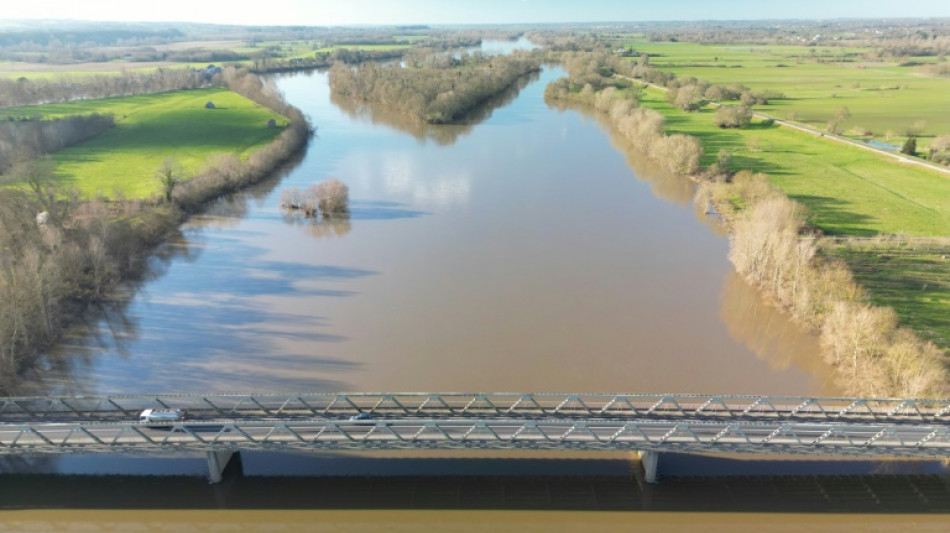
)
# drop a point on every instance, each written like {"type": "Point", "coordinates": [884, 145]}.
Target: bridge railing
{"type": "Point", "coordinates": [863, 439]}
{"type": "Point", "coordinates": [509, 405]}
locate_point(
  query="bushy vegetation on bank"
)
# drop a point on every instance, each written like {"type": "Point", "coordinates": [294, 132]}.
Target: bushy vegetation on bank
{"type": "Point", "coordinates": [642, 128]}
{"type": "Point", "coordinates": [60, 255]}
{"type": "Point", "coordinates": [773, 248]}
{"type": "Point", "coordinates": [439, 88]}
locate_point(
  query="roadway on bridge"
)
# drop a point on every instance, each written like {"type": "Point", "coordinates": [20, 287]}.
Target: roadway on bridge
{"type": "Point", "coordinates": [840, 426]}
{"type": "Point", "coordinates": [671, 435]}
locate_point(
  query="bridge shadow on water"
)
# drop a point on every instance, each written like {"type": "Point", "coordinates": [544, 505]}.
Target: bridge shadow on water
{"type": "Point", "coordinates": [262, 481]}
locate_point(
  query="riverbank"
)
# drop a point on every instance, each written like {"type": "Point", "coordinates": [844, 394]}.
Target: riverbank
{"type": "Point", "coordinates": [54, 270]}
{"type": "Point", "coordinates": [771, 247]}
{"type": "Point", "coordinates": [853, 193]}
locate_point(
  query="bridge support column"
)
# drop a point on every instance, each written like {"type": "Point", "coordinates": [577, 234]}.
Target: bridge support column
{"type": "Point", "coordinates": [217, 462]}
{"type": "Point", "coordinates": [650, 460]}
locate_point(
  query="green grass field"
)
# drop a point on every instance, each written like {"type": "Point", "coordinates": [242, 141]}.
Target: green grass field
{"type": "Point", "coordinates": [883, 98]}
{"type": "Point", "coordinates": [848, 190]}
{"type": "Point", "coordinates": [913, 278]}
{"type": "Point", "coordinates": [150, 128]}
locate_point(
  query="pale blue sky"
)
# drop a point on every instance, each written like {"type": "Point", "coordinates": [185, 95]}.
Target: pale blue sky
{"type": "Point", "coordinates": [334, 12]}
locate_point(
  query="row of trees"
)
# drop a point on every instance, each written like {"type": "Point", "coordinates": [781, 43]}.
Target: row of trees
{"type": "Point", "coordinates": [772, 247]}
{"type": "Point", "coordinates": [437, 92]}
{"type": "Point", "coordinates": [24, 91]}
{"type": "Point", "coordinates": [690, 94]}
{"type": "Point", "coordinates": [58, 255]}
{"type": "Point", "coordinates": [324, 59]}
{"type": "Point", "coordinates": [642, 128]}
{"type": "Point", "coordinates": [30, 138]}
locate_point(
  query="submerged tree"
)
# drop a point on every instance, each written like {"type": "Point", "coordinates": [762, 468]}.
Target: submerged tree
{"type": "Point", "coordinates": [333, 198]}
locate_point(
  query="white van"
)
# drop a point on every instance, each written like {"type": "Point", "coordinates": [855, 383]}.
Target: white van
{"type": "Point", "coordinates": [155, 416]}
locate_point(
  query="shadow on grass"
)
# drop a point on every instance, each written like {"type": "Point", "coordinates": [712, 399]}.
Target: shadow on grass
{"type": "Point", "coordinates": [915, 284]}
{"type": "Point", "coordinates": [835, 219]}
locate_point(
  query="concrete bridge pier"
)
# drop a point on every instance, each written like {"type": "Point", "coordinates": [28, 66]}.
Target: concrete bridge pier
{"type": "Point", "coordinates": [217, 462]}
{"type": "Point", "coordinates": [650, 459]}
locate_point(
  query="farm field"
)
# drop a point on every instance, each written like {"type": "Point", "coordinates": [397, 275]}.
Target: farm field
{"type": "Point", "coordinates": [848, 190]}
{"type": "Point", "coordinates": [886, 99]}
{"type": "Point", "coordinates": [150, 128]}
{"type": "Point", "coordinates": [853, 193]}
{"type": "Point", "coordinates": [910, 276]}
{"type": "Point", "coordinates": [287, 50]}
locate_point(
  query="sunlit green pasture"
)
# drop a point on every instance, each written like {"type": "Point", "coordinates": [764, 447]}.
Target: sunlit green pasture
{"type": "Point", "coordinates": [849, 191]}
{"type": "Point", "coordinates": [912, 277]}
{"type": "Point", "coordinates": [883, 98]}
{"type": "Point", "coordinates": [150, 128]}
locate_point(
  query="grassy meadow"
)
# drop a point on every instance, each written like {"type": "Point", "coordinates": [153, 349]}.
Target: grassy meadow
{"type": "Point", "coordinates": [912, 277]}
{"type": "Point", "coordinates": [150, 128]}
{"type": "Point", "coordinates": [883, 98]}
{"type": "Point", "coordinates": [849, 191]}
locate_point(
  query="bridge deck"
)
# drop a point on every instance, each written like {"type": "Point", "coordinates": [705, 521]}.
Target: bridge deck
{"type": "Point", "coordinates": [507, 405]}
{"type": "Point", "coordinates": [493, 421]}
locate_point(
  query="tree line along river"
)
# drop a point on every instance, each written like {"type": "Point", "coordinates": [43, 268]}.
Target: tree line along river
{"type": "Point", "coordinates": [526, 250]}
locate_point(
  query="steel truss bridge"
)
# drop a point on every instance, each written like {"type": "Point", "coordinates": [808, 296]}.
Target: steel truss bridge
{"type": "Point", "coordinates": [225, 423]}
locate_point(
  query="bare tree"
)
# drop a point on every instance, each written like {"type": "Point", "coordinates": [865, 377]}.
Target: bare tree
{"type": "Point", "coordinates": [835, 125]}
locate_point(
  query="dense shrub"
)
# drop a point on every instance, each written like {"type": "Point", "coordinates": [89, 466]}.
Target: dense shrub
{"type": "Point", "coordinates": [730, 116]}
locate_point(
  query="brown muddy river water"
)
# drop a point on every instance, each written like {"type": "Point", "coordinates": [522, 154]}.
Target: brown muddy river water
{"type": "Point", "coordinates": [526, 251]}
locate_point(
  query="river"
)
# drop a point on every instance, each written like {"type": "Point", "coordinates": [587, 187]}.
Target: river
{"type": "Point", "coordinates": [527, 250]}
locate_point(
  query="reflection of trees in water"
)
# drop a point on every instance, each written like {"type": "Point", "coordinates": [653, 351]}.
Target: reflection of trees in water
{"type": "Point", "coordinates": [441, 134]}
{"type": "Point", "coordinates": [336, 226]}
{"type": "Point", "coordinates": [770, 334]}
{"type": "Point", "coordinates": [108, 326]}
{"type": "Point", "coordinates": [665, 185]}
